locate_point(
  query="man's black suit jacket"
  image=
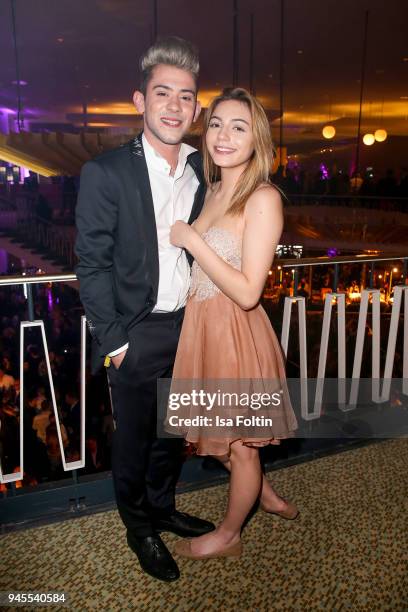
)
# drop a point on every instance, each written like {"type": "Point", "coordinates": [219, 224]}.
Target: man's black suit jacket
{"type": "Point", "coordinates": [118, 267]}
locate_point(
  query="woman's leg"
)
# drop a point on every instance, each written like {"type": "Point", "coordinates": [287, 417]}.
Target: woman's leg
{"type": "Point", "coordinates": [245, 486]}
{"type": "Point", "coordinates": [269, 499]}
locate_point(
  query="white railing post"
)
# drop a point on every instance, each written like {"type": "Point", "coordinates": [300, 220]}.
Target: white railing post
{"type": "Point", "coordinates": [399, 291]}
{"type": "Point", "coordinates": [329, 301]}
{"type": "Point", "coordinates": [67, 465]}
{"type": "Point", "coordinates": [358, 352]}
{"type": "Point", "coordinates": [287, 311]}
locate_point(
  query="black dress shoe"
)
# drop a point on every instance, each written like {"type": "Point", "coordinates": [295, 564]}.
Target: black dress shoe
{"type": "Point", "coordinates": [183, 524]}
{"type": "Point", "coordinates": [154, 557]}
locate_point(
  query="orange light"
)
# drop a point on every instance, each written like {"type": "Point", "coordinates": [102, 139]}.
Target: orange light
{"type": "Point", "coordinates": [380, 135]}
{"type": "Point", "coordinates": [329, 131]}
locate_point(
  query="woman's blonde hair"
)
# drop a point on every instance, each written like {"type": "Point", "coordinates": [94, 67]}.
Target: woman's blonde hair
{"type": "Point", "coordinates": [260, 164]}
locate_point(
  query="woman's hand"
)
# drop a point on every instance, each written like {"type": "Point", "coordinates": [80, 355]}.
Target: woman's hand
{"type": "Point", "coordinates": [180, 234]}
{"type": "Point", "coordinates": [263, 220]}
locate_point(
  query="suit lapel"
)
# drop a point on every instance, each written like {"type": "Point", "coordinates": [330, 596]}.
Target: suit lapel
{"type": "Point", "coordinates": [194, 160]}
{"type": "Point", "coordinates": [147, 208]}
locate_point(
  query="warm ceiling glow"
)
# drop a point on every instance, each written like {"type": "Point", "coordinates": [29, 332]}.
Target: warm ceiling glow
{"type": "Point", "coordinates": [368, 139]}
{"type": "Point", "coordinates": [380, 135]}
{"type": "Point", "coordinates": [206, 95]}
{"type": "Point", "coordinates": [305, 117]}
{"type": "Point", "coordinates": [101, 125]}
{"type": "Point", "coordinates": [329, 131]}
{"type": "Point", "coordinates": [127, 108]}
{"type": "Point", "coordinates": [18, 158]}
{"type": "Point", "coordinates": [113, 108]}
{"type": "Point", "coordinates": [318, 114]}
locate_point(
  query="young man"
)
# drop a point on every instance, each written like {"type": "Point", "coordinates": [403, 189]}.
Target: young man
{"type": "Point", "coordinates": [134, 284]}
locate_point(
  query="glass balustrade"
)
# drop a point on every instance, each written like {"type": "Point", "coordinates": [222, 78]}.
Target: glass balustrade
{"type": "Point", "coordinates": [338, 318]}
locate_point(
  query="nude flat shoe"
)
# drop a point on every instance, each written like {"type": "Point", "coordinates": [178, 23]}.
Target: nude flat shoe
{"type": "Point", "coordinates": [290, 512]}
{"type": "Point", "coordinates": [183, 548]}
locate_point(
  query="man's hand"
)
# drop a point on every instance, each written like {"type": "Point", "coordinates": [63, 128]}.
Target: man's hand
{"type": "Point", "coordinates": [117, 359]}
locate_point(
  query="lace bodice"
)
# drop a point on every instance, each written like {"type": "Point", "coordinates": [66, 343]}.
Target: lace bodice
{"type": "Point", "coordinates": [228, 246]}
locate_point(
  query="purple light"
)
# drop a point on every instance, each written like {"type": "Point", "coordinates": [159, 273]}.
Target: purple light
{"type": "Point", "coordinates": [332, 252]}
{"type": "Point", "coordinates": [323, 170]}
{"type": "Point", "coordinates": [50, 299]}
{"type": "Point", "coordinates": [20, 82]}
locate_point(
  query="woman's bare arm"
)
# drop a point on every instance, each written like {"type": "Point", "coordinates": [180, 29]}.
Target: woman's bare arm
{"type": "Point", "coordinates": [262, 231]}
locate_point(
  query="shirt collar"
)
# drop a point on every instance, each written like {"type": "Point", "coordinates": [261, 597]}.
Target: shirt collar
{"type": "Point", "coordinates": [155, 160]}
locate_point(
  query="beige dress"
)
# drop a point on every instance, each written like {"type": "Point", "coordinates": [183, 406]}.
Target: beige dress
{"type": "Point", "coordinates": [220, 341]}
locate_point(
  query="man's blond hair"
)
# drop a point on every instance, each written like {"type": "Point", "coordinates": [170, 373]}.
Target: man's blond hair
{"type": "Point", "coordinates": [171, 51]}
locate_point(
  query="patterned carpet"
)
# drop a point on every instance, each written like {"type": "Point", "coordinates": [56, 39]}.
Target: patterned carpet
{"type": "Point", "coordinates": [347, 551]}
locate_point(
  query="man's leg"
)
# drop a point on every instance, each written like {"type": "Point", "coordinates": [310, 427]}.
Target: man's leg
{"type": "Point", "coordinates": [165, 461]}
{"type": "Point", "coordinates": [134, 390]}
{"type": "Point", "coordinates": [164, 466]}
{"type": "Point", "coordinates": [132, 438]}
{"type": "Point", "coordinates": [145, 469]}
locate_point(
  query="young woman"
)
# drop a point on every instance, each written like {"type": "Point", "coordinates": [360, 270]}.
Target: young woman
{"type": "Point", "coordinates": [226, 334]}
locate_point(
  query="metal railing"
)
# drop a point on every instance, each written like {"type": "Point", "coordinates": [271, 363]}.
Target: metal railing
{"type": "Point", "coordinates": [384, 203]}
{"type": "Point", "coordinates": [332, 297]}
{"type": "Point", "coordinates": [336, 262]}
{"type": "Point", "coordinates": [57, 241]}
{"type": "Point", "coordinates": [57, 237]}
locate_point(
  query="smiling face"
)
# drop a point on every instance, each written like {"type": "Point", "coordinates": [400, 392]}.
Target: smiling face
{"type": "Point", "coordinates": [169, 106]}
{"type": "Point", "coordinates": [229, 137]}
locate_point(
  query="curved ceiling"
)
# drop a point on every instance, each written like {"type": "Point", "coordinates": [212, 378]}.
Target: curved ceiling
{"type": "Point", "coordinates": [74, 52]}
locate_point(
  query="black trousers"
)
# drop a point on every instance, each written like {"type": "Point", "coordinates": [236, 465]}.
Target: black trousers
{"type": "Point", "coordinates": [145, 468]}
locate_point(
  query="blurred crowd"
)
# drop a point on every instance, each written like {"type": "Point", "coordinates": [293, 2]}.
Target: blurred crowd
{"type": "Point", "coordinates": [60, 310]}
{"type": "Point", "coordinates": [336, 182]}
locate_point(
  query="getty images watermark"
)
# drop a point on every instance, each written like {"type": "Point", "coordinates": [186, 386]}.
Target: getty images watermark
{"type": "Point", "coordinates": [360, 408]}
{"type": "Point", "coordinates": [213, 401]}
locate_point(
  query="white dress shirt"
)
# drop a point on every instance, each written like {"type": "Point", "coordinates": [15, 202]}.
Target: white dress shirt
{"type": "Point", "coordinates": [173, 198]}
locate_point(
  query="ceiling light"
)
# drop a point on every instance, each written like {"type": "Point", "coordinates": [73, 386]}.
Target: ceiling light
{"type": "Point", "coordinates": [368, 139]}
{"type": "Point", "coordinates": [329, 131]}
{"type": "Point", "coordinates": [380, 135]}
